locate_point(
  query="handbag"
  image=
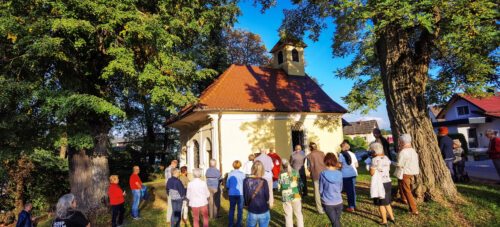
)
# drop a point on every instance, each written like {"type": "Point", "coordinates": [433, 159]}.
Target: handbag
{"type": "Point", "coordinates": [257, 190]}
{"type": "Point", "coordinates": [144, 193]}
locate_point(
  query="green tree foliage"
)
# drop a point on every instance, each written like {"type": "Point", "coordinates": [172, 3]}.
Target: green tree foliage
{"type": "Point", "coordinates": [394, 44]}
{"type": "Point", "coordinates": [357, 143]}
{"type": "Point", "coordinates": [49, 180]}
{"type": "Point", "coordinates": [73, 68]}
{"type": "Point", "coordinates": [463, 36]}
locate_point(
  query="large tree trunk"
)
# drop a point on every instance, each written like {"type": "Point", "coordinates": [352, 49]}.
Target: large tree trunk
{"type": "Point", "coordinates": [404, 71]}
{"type": "Point", "coordinates": [89, 172]}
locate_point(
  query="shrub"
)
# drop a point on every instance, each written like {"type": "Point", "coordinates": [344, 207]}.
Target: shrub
{"type": "Point", "coordinates": [49, 181]}
{"type": "Point", "coordinates": [357, 143]}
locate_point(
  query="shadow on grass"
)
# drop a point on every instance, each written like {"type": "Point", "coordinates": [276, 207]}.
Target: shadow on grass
{"type": "Point", "coordinates": [485, 194]}
{"type": "Point", "coordinates": [366, 214]}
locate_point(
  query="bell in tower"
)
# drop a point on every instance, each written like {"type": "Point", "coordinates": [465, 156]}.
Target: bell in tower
{"type": "Point", "coordinates": [289, 56]}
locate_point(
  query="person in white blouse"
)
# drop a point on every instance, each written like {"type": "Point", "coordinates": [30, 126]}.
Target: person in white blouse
{"type": "Point", "coordinates": [198, 194]}
{"type": "Point", "coordinates": [380, 187]}
{"type": "Point", "coordinates": [406, 168]}
{"type": "Point", "coordinates": [247, 168]}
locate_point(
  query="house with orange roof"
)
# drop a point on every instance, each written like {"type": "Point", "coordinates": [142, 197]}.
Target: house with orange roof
{"type": "Point", "coordinates": [249, 108]}
{"type": "Point", "coordinates": [471, 116]}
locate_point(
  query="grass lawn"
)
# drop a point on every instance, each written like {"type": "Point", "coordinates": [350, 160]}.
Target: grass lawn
{"type": "Point", "coordinates": [481, 208]}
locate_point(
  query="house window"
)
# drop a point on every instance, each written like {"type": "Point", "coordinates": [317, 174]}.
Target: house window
{"type": "Point", "coordinates": [462, 110]}
{"type": "Point", "coordinates": [208, 149]}
{"type": "Point", "coordinates": [295, 55]}
{"type": "Point", "coordinates": [196, 155]}
{"type": "Point", "coordinates": [280, 57]}
{"type": "Point", "coordinates": [298, 138]}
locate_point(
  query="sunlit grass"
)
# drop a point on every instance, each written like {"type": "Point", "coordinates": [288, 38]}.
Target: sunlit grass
{"type": "Point", "coordinates": [482, 209]}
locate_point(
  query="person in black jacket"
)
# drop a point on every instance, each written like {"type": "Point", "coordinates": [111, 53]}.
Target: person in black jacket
{"type": "Point", "coordinates": [256, 196]}
{"type": "Point", "coordinates": [379, 138]}
{"type": "Point", "coordinates": [446, 147]}
{"type": "Point", "coordinates": [177, 192]}
{"type": "Point", "coordinates": [68, 215]}
{"type": "Point", "coordinates": [25, 219]}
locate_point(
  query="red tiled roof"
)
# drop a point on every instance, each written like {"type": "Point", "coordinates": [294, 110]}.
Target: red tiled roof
{"type": "Point", "coordinates": [489, 106]}
{"type": "Point", "coordinates": [262, 89]}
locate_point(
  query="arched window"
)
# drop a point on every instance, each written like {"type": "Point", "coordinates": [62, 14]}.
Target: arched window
{"type": "Point", "coordinates": [280, 57]}
{"type": "Point", "coordinates": [208, 149]}
{"type": "Point", "coordinates": [295, 55]}
{"type": "Point", "coordinates": [196, 154]}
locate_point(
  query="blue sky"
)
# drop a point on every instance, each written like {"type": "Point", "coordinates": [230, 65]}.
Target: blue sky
{"type": "Point", "coordinates": [320, 62]}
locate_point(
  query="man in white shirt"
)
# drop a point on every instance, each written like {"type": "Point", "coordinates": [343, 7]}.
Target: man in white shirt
{"type": "Point", "coordinates": [267, 161]}
{"type": "Point", "coordinates": [406, 168]}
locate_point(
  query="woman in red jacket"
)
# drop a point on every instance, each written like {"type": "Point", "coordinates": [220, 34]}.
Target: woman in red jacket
{"type": "Point", "coordinates": [116, 200]}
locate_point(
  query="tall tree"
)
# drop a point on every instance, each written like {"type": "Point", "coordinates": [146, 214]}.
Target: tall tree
{"type": "Point", "coordinates": [394, 43]}
{"type": "Point", "coordinates": [87, 58]}
{"type": "Point", "coordinates": [245, 48]}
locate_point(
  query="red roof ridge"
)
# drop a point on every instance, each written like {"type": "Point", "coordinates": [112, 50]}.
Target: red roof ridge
{"type": "Point", "coordinates": [482, 103]}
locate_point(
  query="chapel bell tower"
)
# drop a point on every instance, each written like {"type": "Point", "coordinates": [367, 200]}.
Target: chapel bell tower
{"type": "Point", "coordinates": [289, 56]}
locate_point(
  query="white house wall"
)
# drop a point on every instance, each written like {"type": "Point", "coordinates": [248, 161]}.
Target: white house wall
{"type": "Point", "coordinates": [452, 114]}
{"type": "Point", "coordinates": [243, 134]}
{"type": "Point", "coordinates": [202, 135]}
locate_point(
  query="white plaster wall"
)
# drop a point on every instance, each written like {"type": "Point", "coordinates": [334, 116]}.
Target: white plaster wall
{"type": "Point", "coordinates": [243, 134]}
{"type": "Point", "coordinates": [187, 139]}
{"type": "Point", "coordinates": [451, 114]}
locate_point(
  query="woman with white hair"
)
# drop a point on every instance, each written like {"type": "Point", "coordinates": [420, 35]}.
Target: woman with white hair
{"type": "Point", "coordinates": [458, 162]}
{"type": "Point", "coordinates": [213, 176]}
{"type": "Point", "coordinates": [380, 188]}
{"type": "Point", "coordinates": [197, 194]}
{"type": "Point", "coordinates": [288, 184]}
{"type": "Point", "coordinates": [67, 215]}
{"type": "Point", "coordinates": [406, 169]}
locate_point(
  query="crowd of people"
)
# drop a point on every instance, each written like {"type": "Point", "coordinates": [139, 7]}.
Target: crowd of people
{"type": "Point", "coordinates": [251, 185]}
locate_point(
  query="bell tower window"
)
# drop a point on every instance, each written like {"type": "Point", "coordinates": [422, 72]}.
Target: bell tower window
{"type": "Point", "coordinates": [295, 55]}
{"type": "Point", "coordinates": [280, 57]}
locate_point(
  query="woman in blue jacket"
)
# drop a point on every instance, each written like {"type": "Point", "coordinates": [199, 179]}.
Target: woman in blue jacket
{"type": "Point", "coordinates": [330, 188]}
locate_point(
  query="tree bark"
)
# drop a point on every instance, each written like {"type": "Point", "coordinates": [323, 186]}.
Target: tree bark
{"type": "Point", "coordinates": [89, 172]}
{"type": "Point", "coordinates": [404, 71]}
